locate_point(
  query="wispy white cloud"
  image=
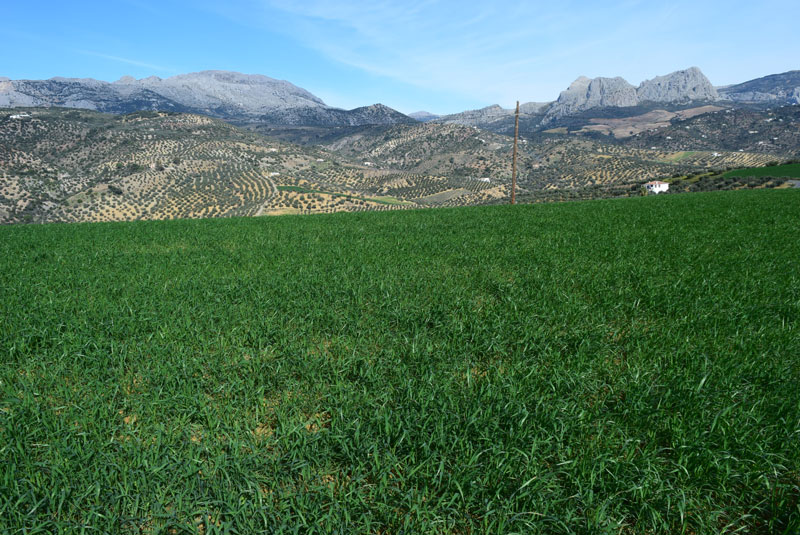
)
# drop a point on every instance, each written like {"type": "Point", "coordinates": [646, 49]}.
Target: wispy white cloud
{"type": "Point", "coordinates": [482, 50]}
{"type": "Point", "coordinates": [127, 61]}
{"type": "Point", "coordinates": [487, 52]}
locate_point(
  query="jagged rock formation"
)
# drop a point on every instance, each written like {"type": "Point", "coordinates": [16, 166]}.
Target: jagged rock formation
{"type": "Point", "coordinates": [227, 95]}
{"type": "Point", "coordinates": [585, 93]}
{"type": "Point", "coordinates": [777, 88]}
{"type": "Point", "coordinates": [680, 86]}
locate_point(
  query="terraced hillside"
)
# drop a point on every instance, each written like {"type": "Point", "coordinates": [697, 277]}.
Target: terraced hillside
{"type": "Point", "coordinates": [71, 165]}
{"type": "Point", "coordinates": [59, 165]}
{"type": "Point", "coordinates": [546, 161]}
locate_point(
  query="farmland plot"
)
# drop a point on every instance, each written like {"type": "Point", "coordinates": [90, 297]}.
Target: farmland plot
{"type": "Point", "coordinates": [619, 366]}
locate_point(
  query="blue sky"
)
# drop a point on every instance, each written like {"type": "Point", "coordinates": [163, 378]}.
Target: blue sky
{"type": "Point", "coordinates": [440, 56]}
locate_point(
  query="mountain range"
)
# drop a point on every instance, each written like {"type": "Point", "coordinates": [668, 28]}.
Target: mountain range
{"type": "Point", "coordinates": [236, 97]}
{"type": "Point", "coordinates": [256, 100]}
{"type": "Point", "coordinates": [214, 144]}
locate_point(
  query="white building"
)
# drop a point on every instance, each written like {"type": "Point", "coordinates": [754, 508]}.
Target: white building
{"type": "Point", "coordinates": [656, 186]}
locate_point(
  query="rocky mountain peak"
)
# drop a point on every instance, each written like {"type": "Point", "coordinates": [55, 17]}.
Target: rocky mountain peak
{"type": "Point", "coordinates": [586, 93]}
{"type": "Point", "coordinates": [679, 86]}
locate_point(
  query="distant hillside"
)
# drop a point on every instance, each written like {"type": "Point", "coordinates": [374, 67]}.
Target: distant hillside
{"type": "Point", "coordinates": [546, 161]}
{"type": "Point", "coordinates": [773, 131]}
{"type": "Point", "coordinates": [776, 88]}
{"type": "Point", "coordinates": [431, 148]}
{"type": "Point", "coordinates": [231, 96]}
{"type": "Point", "coordinates": [500, 120]}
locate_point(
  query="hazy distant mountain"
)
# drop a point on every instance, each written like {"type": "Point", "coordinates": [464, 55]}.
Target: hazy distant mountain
{"type": "Point", "coordinates": [423, 116]}
{"type": "Point", "coordinates": [489, 114]}
{"type": "Point", "coordinates": [227, 95]}
{"type": "Point", "coordinates": [376, 114]}
{"type": "Point", "coordinates": [498, 119]}
{"type": "Point", "coordinates": [477, 118]}
{"type": "Point", "coordinates": [777, 88]}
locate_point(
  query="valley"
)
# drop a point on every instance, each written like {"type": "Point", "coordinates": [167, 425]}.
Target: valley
{"type": "Point", "coordinates": [59, 165]}
{"type": "Point", "coordinates": [230, 145]}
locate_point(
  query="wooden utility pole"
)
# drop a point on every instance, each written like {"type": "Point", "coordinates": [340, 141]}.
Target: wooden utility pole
{"type": "Point", "coordinates": [514, 167]}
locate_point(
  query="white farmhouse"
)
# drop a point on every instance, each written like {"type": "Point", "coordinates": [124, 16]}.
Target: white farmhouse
{"type": "Point", "coordinates": [656, 186]}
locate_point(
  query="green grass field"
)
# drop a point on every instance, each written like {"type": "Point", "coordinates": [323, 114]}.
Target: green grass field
{"type": "Point", "coordinates": [789, 171]}
{"type": "Point", "coordinates": [621, 366]}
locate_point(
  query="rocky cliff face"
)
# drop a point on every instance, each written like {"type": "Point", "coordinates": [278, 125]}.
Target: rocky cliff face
{"type": "Point", "coordinates": [680, 86]}
{"type": "Point", "coordinates": [227, 95]}
{"type": "Point", "coordinates": [586, 93]}
{"type": "Point", "coordinates": [250, 94]}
